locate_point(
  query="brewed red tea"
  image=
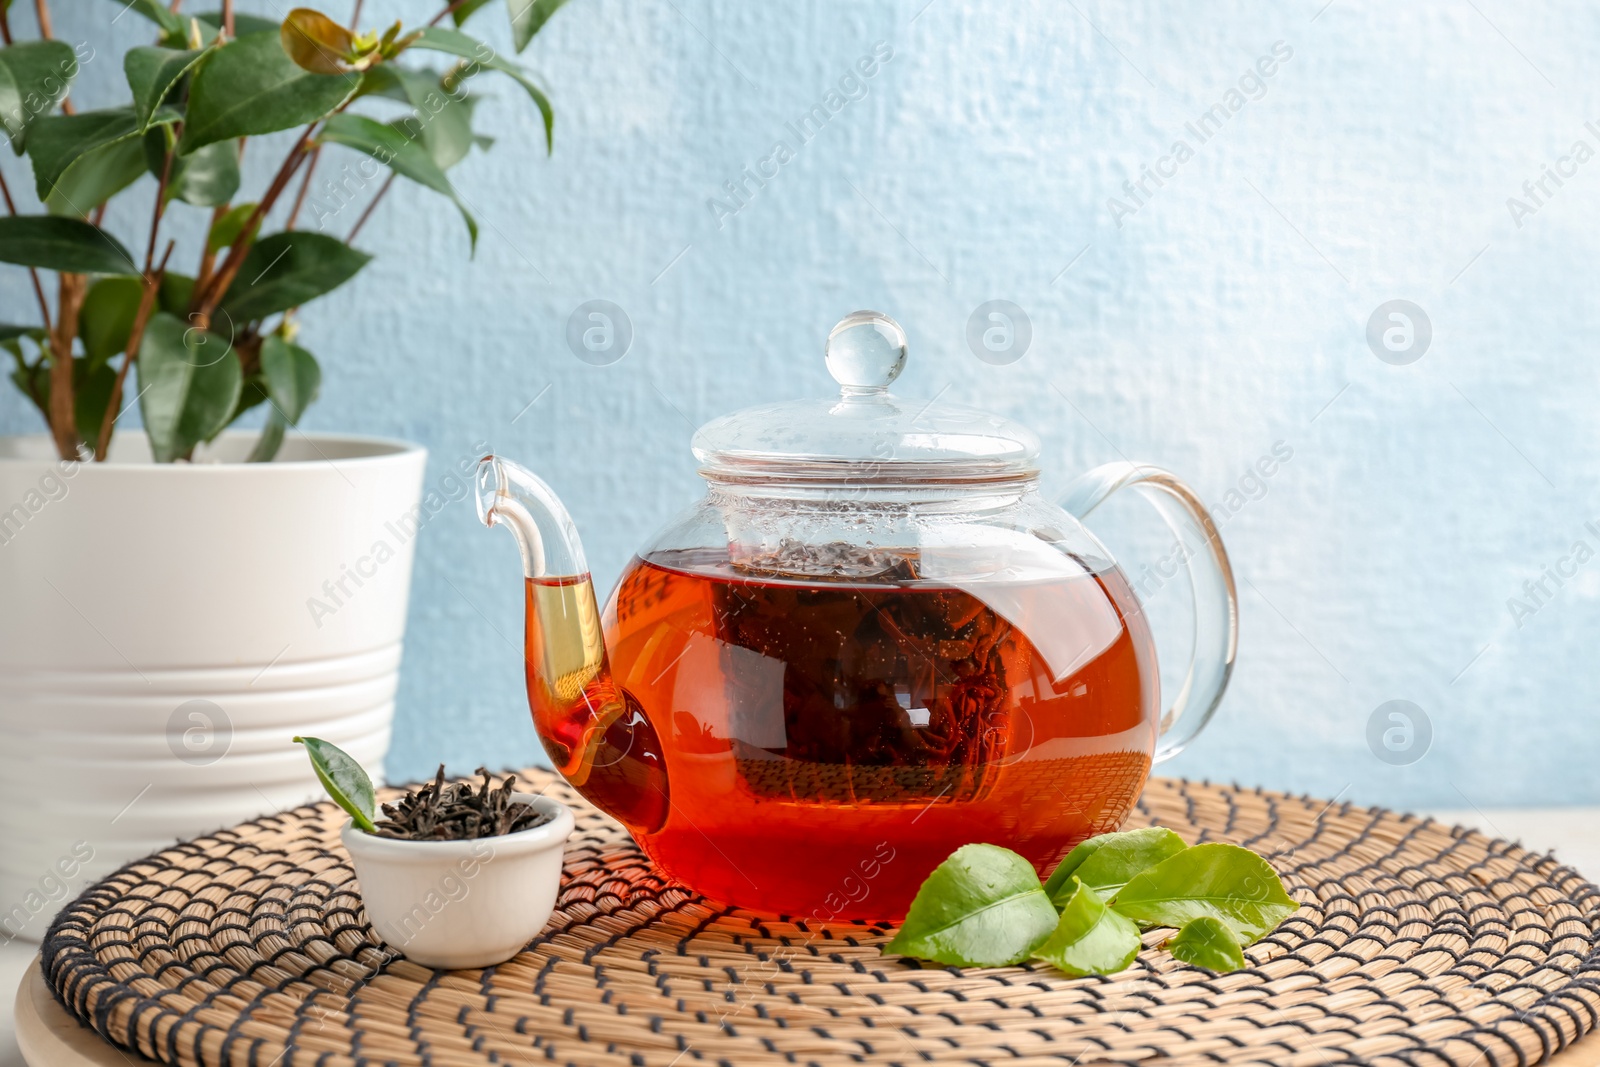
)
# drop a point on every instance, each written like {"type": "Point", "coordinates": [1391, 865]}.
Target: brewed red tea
{"type": "Point", "coordinates": [831, 739]}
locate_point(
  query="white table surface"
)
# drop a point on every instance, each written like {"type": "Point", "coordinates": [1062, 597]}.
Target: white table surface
{"type": "Point", "coordinates": [1572, 833]}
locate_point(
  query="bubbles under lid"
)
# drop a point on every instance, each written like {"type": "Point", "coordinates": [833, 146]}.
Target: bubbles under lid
{"type": "Point", "coordinates": [865, 434]}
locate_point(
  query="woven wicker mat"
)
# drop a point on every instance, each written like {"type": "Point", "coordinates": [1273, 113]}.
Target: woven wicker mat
{"type": "Point", "coordinates": [1416, 944]}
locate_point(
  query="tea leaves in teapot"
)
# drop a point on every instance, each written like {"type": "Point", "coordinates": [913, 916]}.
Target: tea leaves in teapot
{"type": "Point", "coordinates": [1106, 863]}
{"type": "Point", "coordinates": [1207, 942]}
{"type": "Point", "coordinates": [1222, 881]}
{"type": "Point", "coordinates": [982, 907]}
{"type": "Point", "coordinates": [1090, 938]}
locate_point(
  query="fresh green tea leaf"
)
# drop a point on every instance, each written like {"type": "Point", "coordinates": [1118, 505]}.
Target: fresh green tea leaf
{"type": "Point", "coordinates": [152, 72]}
{"type": "Point", "coordinates": [62, 244]}
{"type": "Point", "coordinates": [1089, 938]}
{"type": "Point", "coordinates": [982, 907]}
{"type": "Point", "coordinates": [1207, 942]}
{"type": "Point", "coordinates": [528, 18]}
{"type": "Point", "coordinates": [92, 385]}
{"type": "Point", "coordinates": [189, 383]}
{"type": "Point", "coordinates": [292, 376]}
{"type": "Point", "coordinates": [461, 12]}
{"type": "Point", "coordinates": [285, 270]}
{"type": "Point", "coordinates": [400, 153]}
{"type": "Point", "coordinates": [34, 78]}
{"type": "Point", "coordinates": [106, 317]}
{"type": "Point", "coordinates": [456, 43]}
{"type": "Point", "coordinates": [1219, 880]}
{"type": "Point", "coordinates": [1105, 863]}
{"type": "Point", "coordinates": [250, 86]}
{"type": "Point", "coordinates": [344, 780]}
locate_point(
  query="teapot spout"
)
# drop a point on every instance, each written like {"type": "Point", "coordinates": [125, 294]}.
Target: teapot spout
{"type": "Point", "coordinates": [594, 731]}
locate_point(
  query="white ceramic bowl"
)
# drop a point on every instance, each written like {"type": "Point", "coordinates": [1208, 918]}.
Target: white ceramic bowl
{"type": "Point", "coordinates": [454, 904]}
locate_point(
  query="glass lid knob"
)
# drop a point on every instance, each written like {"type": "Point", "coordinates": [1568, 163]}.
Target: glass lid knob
{"type": "Point", "coordinates": [866, 351]}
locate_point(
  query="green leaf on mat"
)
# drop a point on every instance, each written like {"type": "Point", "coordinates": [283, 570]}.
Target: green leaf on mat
{"type": "Point", "coordinates": [1225, 882]}
{"type": "Point", "coordinates": [1089, 938]}
{"type": "Point", "coordinates": [1105, 863]}
{"type": "Point", "coordinates": [1207, 942]}
{"type": "Point", "coordinates": [344, 779]}
{"type": "Point", "coordinates": [982, 907]}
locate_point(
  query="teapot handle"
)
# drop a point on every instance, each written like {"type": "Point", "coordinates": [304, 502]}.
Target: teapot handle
{"type": "Point", "coordinates": [1216, 602]}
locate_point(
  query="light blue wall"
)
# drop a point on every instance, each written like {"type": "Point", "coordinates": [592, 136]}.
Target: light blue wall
{"type": "Point", "coordinates": [1227, 314]}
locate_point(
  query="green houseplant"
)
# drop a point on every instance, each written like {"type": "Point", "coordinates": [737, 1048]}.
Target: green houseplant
{"type": "Point", "coordinates": [168, 625]}
{"type": "Point", "coordinates": [213, 344]}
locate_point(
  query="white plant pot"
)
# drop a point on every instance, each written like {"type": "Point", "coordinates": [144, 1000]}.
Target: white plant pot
{"type": "Point", "coordinates": [453, 904]}
{"type": "Point", "coordinates": [166, 629]}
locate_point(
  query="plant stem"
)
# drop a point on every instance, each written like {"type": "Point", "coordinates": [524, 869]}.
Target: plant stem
{"type": "Point", "coordinates": [305, 186]}
{"type": "Point", "coordinates": [355, 16]}
{"type": "Point", "coordinates": [141, 318]}
{"type": "Point", "coordinates": [41, 9]}
{"type": "Point", "coordinates": [205, 303]}
{"type": "Point", "coordinates": [449, 10]}
{"type": "Point", "coordinates": [227, 18]}
{"type": "Point", "coordinates": [5, 25]}
{"type": "Point", "coordinates": [38, 289]}
{"type": "Point", "coordinates": [367, 212]}
{"type": "Point", "coordinates": [63, 426]}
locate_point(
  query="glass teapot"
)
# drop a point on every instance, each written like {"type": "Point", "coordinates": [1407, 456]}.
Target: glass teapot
{"type": "Point", "coordinates": [872, 642]}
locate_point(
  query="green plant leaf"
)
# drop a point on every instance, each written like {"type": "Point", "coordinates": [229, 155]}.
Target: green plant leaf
{"type": "Point", "coordinates": [1207, 942]}
{"type": "Point", "coordinates": [465, 11]}
{"type": "Point", "coordinates": [206, 177]}
{"type": "Point", "coordinates": [982, 907]}
{"type": "Point", "coordinates": [243, 24]}
{"type": "Point", "coordinates": [1105, 863]}
{"type": "Point", "coordinates": [152, 72]}
{"type": "Point", "coordinates": [440, 120]}
{"type": "Point", "coordinates": [175, 293]}
{"type": "Point", "coordinates": [250, 86]}
{"type": "Point", "coordinates": [189, 382]}
{"type": "Point", "coordinates": [92, 385]}
{"type": "Point", "coordinates": [285, 270]}
{"type": "Point", "coordinates": [528, 17]}
{"type": "Point", "coordinates": [292, 376]}
{"type": "Point", "coordinates": [400, 153]}
{"type": "Point", "coordinates": [95, 177]}
{"type": "Point", "coordinates": [1089, 938]}
{"type": "Point", "coordinates": [1223, 881]}
{"type": "Point", "coordinates": [62, 244]}
{"type": "Point", "coordinates": [157, 12]}
{"type": "Point", "coordinates": [269, 442]}
{"type": "Point", "coordinates": [344, 780]}
{"type": "Point", "coordinates": [34, 78]}
{"type": "Point", "coordinates": [456, 43]}
{"type": "Point", "coordinates": [226, 229]}
{"type": "Point", "coordinates": [106, 317]}
{"type": "Point", "coordinates": [60, 144]}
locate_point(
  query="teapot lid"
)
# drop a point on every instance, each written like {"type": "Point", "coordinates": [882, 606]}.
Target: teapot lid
{"type": "Point", "coordinates": [865, 433]}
